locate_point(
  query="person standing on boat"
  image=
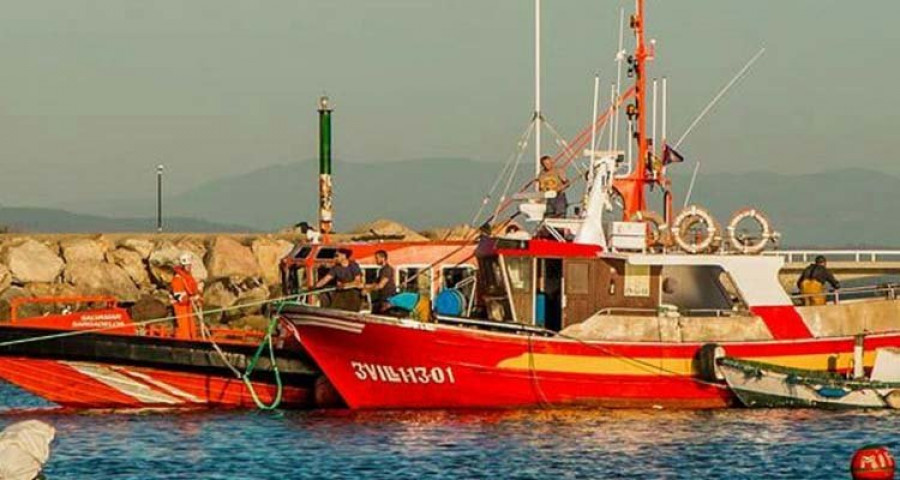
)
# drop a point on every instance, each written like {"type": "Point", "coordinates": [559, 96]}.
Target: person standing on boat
{"type": "Point", "coordinates": [186, 299]}
{"type": "Point", "coordinates": [384, 286]}
{"type": "Point", "coordinates": [348, 276]}
{"type": "Point", "coordinates": [813, 279]}
{"type": "Point", "coordinates": [552, 179]}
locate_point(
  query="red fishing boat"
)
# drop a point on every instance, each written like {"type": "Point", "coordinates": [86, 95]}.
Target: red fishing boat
{"type": "Point", "coordinates": [628, 314]}
{"type": "Point", "coordinates": [90, 354]}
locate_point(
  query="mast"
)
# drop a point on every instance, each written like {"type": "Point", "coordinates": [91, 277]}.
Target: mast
{"type": "Point", "coordinates": [632, 186]}
{"type": "Point", "coordinates": [537, 89]}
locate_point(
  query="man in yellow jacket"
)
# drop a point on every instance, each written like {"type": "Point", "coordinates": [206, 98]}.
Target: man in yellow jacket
{"type": "Point", "coordinates": [812, 282]}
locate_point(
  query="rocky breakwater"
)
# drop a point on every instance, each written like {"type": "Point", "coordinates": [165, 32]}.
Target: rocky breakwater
{"type": "Point", "coordinates": [232, 269]}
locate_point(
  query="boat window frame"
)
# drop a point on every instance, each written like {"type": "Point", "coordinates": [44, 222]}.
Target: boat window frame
{"type": "Point", "coordinates": [420, 266]}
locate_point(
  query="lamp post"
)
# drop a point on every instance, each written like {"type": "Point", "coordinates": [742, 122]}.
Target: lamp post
{"type": "Point", "coordinates": [159, 177]}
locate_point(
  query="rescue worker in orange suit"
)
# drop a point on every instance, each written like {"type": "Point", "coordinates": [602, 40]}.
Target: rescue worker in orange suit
{"type": "Point", "coordinates": [185, 299]}
{"type": "Point", "coordinates": [812, 282]}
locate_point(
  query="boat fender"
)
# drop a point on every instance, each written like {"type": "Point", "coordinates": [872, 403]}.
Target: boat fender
{"type": "Point", "coordinates": [682, 231]}
{"type": "Point", "coordinates": [707, 362]}
{"type": "Point", "coordinates": [755, 246]}
{"type": "Point", "coordinates": [892, 399]}
{"type": "Point", "coordinates": [658, 234]}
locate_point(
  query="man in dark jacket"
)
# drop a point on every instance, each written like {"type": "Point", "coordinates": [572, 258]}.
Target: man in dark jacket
{"type": "Point", "coordinates": [348, 276]}
{"type": "Point", "coordinates": [812, 282]}
{"type": "Point", "coordinates": [384, 286]}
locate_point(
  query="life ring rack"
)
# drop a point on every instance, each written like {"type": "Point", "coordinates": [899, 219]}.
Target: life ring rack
{"type": "Point", "coordinates": [741, 244]}
{"type": "Point", "coordinates": [682, 230]}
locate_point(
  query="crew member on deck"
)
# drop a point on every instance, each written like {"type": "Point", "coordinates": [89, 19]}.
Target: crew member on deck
{"type": "Point", "coordinates": [186, 299]}
{"type": "Point", "coordinates": [384, 286]}
{"type": "Point", "coordinates": [552, 179]}
{"type": "Point", "coordinates": [348, 276]}
{"type": "Point", "coordinates": [813, 279]}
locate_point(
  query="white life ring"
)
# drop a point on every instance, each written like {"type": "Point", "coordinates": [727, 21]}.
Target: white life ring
{"type": "Point", "coordinates": [657, 228]}
{"type": "Point", "coordinates": [682, 228]}
{"type": "Point", "coordinates": [740, 244]}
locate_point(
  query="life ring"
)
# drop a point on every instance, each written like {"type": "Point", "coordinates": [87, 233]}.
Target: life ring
{"type": "Point", "coordinates": [753, 246]}
{"type": "Point", "coordinates": [657, 228]}
{"type": "Point", "coordinates": [684, 226]}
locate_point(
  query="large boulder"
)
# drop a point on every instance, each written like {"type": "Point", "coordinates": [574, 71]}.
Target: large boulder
{"type": "Point", "coordinates": [5, 278]}
{"type": "Point", "coordinates": [139, 245]}
{"type": "Point", "coordinates": [151, 306]}
{"type": "Point", "coordinates": [164, 258]}
{"type": "Point", "coordinates": [132, 263]}
{"type": "Point", "coordinates": [82, 250]}
{"type": "Point", "coordinates": [268, 253]}
{"type": "Point", "coordinates": [96, 278]}
{"type": "Point", "coordinates": [32, 261]}
{"type": "Point", "coordinates": [218, 296]}
{"type": "Point", "coordinates": [456, 232]}
{"type": "Point", "coordinates": [387, 228]}
{"type": "Point", "coordinates": [250, 300]}
{"type": "Point", "coordinates": [228, 258]}
{"type": "Point", "coordinates": [7, 297]}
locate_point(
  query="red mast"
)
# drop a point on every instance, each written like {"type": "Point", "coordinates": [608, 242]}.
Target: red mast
{"type": "Point", "coordinates": [632, 187]}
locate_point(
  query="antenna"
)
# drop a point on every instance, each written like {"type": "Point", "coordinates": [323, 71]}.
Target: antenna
{"type": "Point", "coordinates": [537, 89]}
{"type": "Point", "coordinates": [709, 106]}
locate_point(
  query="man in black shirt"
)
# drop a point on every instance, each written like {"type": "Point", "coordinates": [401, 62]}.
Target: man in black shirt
{"type": "Point", "coordinates": [348, 276]}
{"type": "Point", "coordinates": [812, 282]}
{"type": "Point", "coordinates": [384, 286]}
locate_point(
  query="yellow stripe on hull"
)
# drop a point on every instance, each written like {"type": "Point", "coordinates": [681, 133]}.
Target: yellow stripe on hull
{"type": "Point", "coordinates": [607, 365]}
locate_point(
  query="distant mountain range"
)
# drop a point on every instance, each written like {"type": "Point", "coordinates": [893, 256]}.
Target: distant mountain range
{"type": "Point", "coordinates": [851, 207]}
{"type": "Point", "coordinates": [48, 220]}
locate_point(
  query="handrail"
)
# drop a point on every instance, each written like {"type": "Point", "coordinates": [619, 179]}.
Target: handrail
{"type": "Point", "coordinates": [873, 291]}
{"type": "Point", "coordinates": [870, 256]}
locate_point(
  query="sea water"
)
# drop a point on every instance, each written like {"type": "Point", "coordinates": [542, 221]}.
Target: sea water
{"type": "Point", "coordinates": [516, 444]}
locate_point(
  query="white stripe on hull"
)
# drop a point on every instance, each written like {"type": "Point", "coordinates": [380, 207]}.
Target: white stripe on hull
{"type": "Point", "coordinates": [124, 384]}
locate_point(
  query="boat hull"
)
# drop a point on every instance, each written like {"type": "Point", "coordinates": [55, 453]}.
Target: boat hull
{"type": "Point", "coordinates": [385, 363]}
{"type": "Point", "coordinates": [95, 371]}
{"type": "Point", "coordinates": [759, 387]}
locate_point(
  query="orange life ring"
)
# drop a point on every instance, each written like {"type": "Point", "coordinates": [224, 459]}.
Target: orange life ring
{"type": "Point", "coordinates": [740, 244]}
{"type": "Point", "coordinates": [657, 228]}
{"type": "Point", "coordinates": [685, 225]}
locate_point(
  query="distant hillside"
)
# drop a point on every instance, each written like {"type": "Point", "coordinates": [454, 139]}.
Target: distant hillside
{"type": "Point", "coordinates": [851, 207]}
{"type": "Point", "coordinates": [420, 193]}
{"type": "Point", "coordinates": [23, 219]}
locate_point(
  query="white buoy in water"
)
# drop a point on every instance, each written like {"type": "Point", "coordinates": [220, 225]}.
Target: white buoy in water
{"type": "Point", "coordinates": [24, 449]}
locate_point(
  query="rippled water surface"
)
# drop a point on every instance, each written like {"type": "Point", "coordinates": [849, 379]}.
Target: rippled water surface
{"type": "Point", "coordinates": [469, 444]}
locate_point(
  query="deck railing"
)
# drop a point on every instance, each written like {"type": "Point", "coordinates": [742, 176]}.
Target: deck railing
{"type": "Point", "coordinates": [859, 256]}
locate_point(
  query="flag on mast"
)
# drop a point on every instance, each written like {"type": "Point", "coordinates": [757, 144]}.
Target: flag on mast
{"type": "Point", "coordinates": [670, 155]}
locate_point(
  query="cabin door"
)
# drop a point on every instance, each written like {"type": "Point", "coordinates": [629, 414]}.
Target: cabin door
{"type": "Point", "coordinates": [578, 303]}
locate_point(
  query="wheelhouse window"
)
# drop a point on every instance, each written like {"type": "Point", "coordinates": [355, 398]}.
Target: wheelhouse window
{"type": "Point", "coordinates": [699, 290]}
{"type": "Point", "coordinates": [520, 272]}
{"type": "Point", "coordinates": [415, 279]}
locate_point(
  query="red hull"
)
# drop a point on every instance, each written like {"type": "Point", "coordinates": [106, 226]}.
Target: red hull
{"type": "Point", "coordinates": [89, 385]}
{"type": "Point", "coordinates": [378, 363]}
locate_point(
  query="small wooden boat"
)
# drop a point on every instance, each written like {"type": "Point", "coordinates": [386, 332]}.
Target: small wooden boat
{"type": "Point", "coordinates": [764, 385]}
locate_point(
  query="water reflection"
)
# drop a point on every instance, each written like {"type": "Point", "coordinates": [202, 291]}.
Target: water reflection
{"type": "Point", "coordinates": [559, 443]}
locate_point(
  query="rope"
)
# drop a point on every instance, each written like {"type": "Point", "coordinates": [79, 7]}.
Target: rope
{"type": "Point", "coordinates": [75, 333]}
{"type": "Point", "coordinates": [646, 366]}
{"type": "Point", "coordinates": [279, 387]}
{"type": "Point", "coordinates": [515, 168]}
{"type": "Point", "coordinates": [567, 155]}
{"type": "Point", "coordinates": [513, 158]}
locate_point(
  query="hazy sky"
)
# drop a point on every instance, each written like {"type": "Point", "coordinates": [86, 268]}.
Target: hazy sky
{"type": "Point", "coordinates": [95, 93]}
